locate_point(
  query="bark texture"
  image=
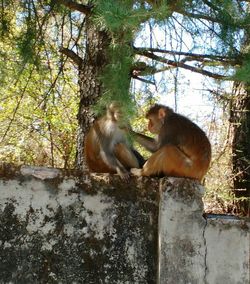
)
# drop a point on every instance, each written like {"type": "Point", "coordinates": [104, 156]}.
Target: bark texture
{"type": "Point", "coordinates": [240, 122]}
{"type": "Point", "coordinates": [90, 71]}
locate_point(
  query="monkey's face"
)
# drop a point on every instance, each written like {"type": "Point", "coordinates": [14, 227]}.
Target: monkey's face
{"type": "Point", "coordinates": [154, 124]}
{"type": "Point", "coordinates": [118, 115]}
{"type": "Point", "coordinates": [114, 113]}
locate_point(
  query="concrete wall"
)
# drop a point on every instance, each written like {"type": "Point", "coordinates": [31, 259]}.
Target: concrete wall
{"type": "Point", "coordinates": [65, 227]}
{"type": "Point", "coordinates": [194, 249]}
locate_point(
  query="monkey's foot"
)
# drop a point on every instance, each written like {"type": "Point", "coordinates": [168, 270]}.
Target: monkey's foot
{"type": "Point", "coordinates": [125, 176]}
{"type": "Point", "coordinates": [136, 172]}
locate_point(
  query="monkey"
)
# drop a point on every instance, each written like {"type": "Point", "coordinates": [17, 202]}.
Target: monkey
{"type": "Point", "coordinates": [106, 147]}
{"type": "Point", "coordinates": [181, 149]}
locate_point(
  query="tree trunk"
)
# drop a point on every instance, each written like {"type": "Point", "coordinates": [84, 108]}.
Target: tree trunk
{"type": "Point", "coordinates": [240, 121]}
{"type": "Point", "coordinates": [97, 43]}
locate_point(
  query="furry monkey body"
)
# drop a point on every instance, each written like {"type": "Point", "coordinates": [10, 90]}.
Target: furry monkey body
{"type": "Point", "coordinates": [106, 147]}
{"type": "Point", "coordinates": [181, 148]}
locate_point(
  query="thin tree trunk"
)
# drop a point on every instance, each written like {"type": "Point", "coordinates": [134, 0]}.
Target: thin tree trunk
{"type": "Point", "coordinates": [240, 122]}
{"type": "Point", "coordinates": [97, 43]}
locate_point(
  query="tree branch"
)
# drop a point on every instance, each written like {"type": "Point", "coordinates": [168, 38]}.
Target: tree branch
{"type": "Point", "coordinates": [143, 80]}
{"type": "Point", "coordinates": [198, 15]}
{"type": "Point", "coordinates": [183, 65]}
{"type": "Point", "coordinates": [86, 9]}
{"type": "Point", "coordinates": [193, 56]}
{"type": "Point", "coordinates": [72, 55]}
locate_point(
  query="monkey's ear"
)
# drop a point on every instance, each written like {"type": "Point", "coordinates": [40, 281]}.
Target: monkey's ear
{"type": "Point", "coordinates": [161, 113]}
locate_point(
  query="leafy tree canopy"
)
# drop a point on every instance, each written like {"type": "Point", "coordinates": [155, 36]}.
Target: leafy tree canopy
{"type": "Point", "coordinates": [209, 37]}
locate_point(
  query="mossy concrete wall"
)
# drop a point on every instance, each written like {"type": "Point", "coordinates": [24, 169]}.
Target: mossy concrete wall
{"type": "Point", "coordinates": [67, 227]}
{"type": "Point", "coordinates": [62, 227]}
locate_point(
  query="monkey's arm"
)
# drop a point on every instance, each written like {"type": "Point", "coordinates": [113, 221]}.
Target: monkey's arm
{"type": "Point", "coordinates": [149, 143]}
{"type": "Point", "coordinates": [109, 158]}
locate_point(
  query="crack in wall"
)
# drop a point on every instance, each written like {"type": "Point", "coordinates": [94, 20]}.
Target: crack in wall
{"type": "Point", "coordinates": [205, 246]}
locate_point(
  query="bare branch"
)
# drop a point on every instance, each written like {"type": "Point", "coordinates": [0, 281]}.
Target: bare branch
{"type": "Point", "coordinates": [86, 9]}
{"type": "Point", "coordinates": [71, 54]}
{"type": "Point", "coordinates": [190, 56]}
{"type": "Point", "coordinates": [201, 16]}
{"type": "Point", "coordinates": [143, 80]}
{"type": "Point", "coordinates": [183, 65]}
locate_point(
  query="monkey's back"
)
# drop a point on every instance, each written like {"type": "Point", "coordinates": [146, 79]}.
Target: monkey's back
{"type": "Point", "coordinates": [189, 137]}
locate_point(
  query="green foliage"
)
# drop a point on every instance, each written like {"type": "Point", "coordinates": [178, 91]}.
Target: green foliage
{"type": "Point", "coordinates": [5, 24]}
{"type": "Point", "coordinates": [26, 44]}
{"type": "Point", "coordinates": [112, 15]}
{"type": "Point", "coordinates": [7, 20]}
{"type": "Point", "coordinates": [38, 106]}
{"type": "Point", "coordinates": [242, 73]}
{"type": "Point", "coordinates": [46, 120]}
{"type": "Point", "coordinates": [122, 19]}
{"type": "Point", "coordinates": [232, 20]}
{"type": "Point", "coordinates": [116, 76]}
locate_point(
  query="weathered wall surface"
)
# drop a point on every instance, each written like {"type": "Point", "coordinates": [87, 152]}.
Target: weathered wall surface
{"type": "Point", "coordinates": [57, 228]}
{"type": "Point", "coordinates": [182, 249]}
{"type": "Point", "coordinates": [193, 249]}
{"type": "Point", "coordinates": [228, 250]}
{"type": "Point", "coordinates": [65, 227]}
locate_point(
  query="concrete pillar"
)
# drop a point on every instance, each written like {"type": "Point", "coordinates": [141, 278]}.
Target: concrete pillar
{"type": "Point", "coordinates": [181, 232]}
{"type": "Point", "coordinates": [198, 250]}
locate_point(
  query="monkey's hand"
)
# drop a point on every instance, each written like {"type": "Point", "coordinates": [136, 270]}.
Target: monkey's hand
{"type": "Point", "coordinates": [124, 175]}
{"type": "Point", "coordinates": [126, 127]}
{"type": "Point", "coordinates": [136, 172]}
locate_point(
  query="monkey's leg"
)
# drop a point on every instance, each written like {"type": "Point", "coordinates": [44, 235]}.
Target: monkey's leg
{"type": "Point", "coordinates": [170, 161]}
{"type": "Point", "coordinates": [126, 156]}
{"type": "Point", "coordinates": [139, 157]}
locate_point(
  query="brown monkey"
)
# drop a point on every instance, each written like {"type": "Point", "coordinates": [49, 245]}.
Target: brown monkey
{"type": "Point", "coordinates": [106, 146]}
{"type": "Point", "coordinates": [182, 149]}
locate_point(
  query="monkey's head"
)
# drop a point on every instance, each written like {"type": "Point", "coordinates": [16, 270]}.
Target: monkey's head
{"type": "Point", "coordinates": [156, 116]}
{"type": "Point", "coordinates": [114, 112]}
